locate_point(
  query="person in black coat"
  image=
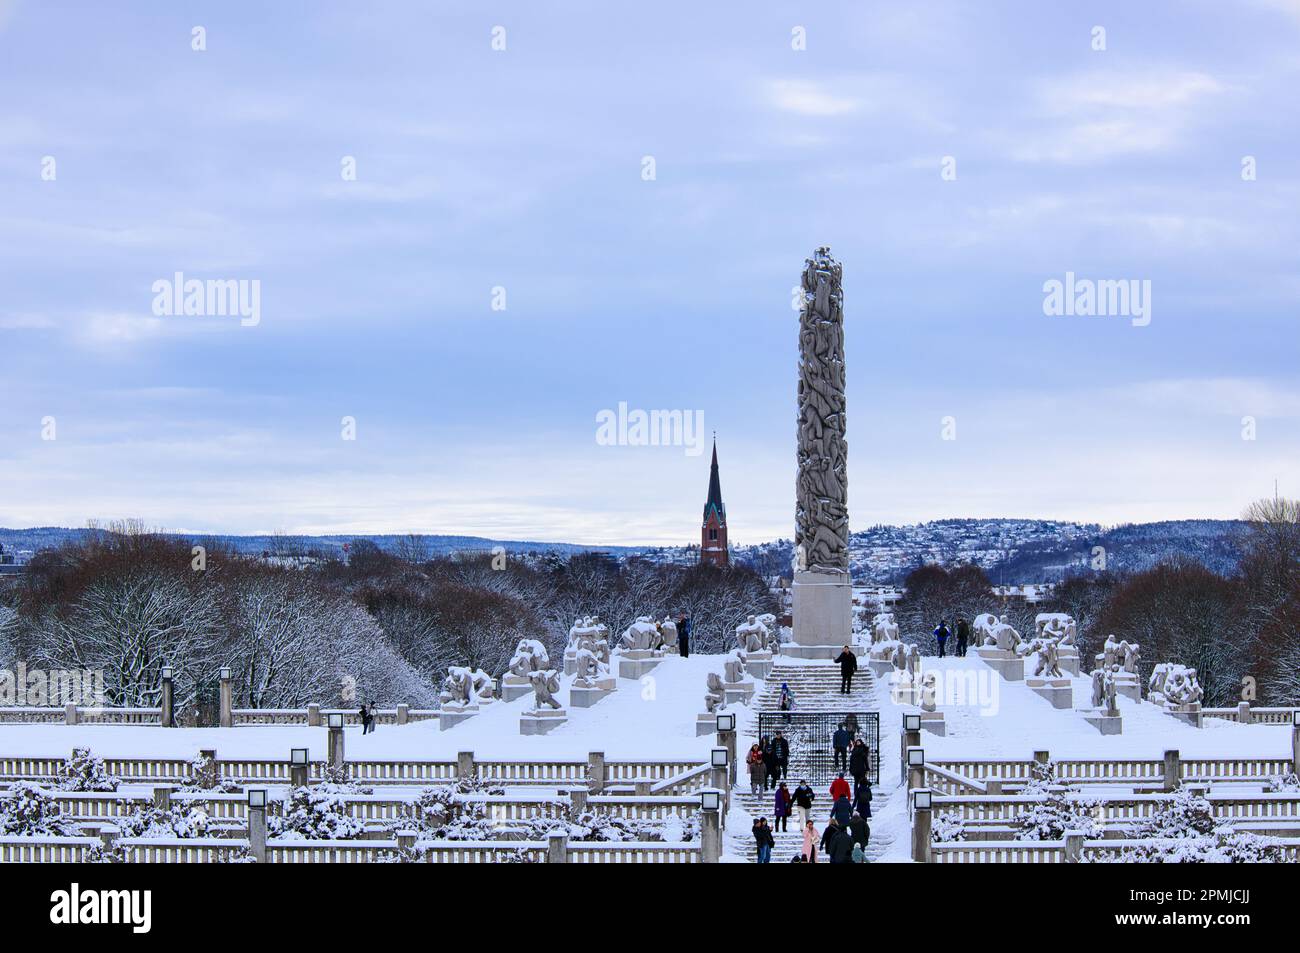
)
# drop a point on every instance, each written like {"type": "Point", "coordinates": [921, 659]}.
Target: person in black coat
{"type": "Point", "coordinates": [862, 799]}
{"type": "Point", "coordinates": [770, 764]}
{"type": "Point", "coordinates": [848, 663]}
{"type": "Point", "coordinates": [763, 840]}
{"type": "Point", "coordinates": [842, 811]}
{"type": "Point", "coordinates": [684, 636]}
{"type": "Point", "coordinates": [781, 754]}
{"type": "Point", "coordinates": [860, 762]}
{"type": "Point", "coordinates": [837, 844]}
{"type": "Point", "coordinates": [859, 830]}
{"type": "Point", "coordinates": [963, 636]}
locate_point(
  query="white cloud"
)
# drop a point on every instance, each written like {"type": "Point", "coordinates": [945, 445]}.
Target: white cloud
{"type": "Point", "coordinates": [808, 98]}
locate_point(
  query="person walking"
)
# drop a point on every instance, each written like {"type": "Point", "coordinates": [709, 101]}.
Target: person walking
{"type": "Point", "coordinates": [781, 755]}
{"type": "Point", "coordinates": [684, 636]}
{"type": "Point", "coordinates": [757, 769]}
{"type": "Point", "coordinates": [781, 809]}
{"type": "Point", "coordinates": [763, 840]}
{"type": "Point", "coordinates": [785, 702]}
{"type": "Point", "coordinates": [862, 798]}
{"type": "Point", "coordinates": [803, 801]}
{"type": "Point", "coordinates": [842, 810]}
{"type": "Point", "coordinates": [859, 830]}
{"type": "Point", "coordinates": [859, 855]}
{"type": "Point", "coordinates": [859, 762]}
{"type": "Point", "coordinates": [963, 636]}
{"type": "Point", "coordinates": [840, 788]}
{"type": "Point", "coordinates": [810, 842]}
{"type": "Point", "coordinates": [840, 742]}
{"type": "Point", "coordinates": [941, 634]}
{"type": "Point", "coordinates": [848, 663]}
{"type": "Point", "coordinates": [840, 848]}
{"type": "Point", "coordinates": [771, 770]}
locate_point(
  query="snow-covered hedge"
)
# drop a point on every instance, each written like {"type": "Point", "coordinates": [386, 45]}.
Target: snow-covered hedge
{"type": "Point", "coordinates": [85, 772]}
{"type": "Point", "coordinates": [31, 810]}
{"type": "Point", "coordinates": [317, 812]}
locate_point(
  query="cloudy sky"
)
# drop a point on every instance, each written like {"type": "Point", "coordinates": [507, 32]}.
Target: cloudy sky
{"type": "Point", "coordinates": [127, 156]}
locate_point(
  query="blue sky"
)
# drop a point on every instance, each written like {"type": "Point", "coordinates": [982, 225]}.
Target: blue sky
{"type": "Point", "coordinates": [522, 169]}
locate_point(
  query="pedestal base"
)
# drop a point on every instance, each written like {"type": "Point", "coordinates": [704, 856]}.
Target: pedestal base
{"type": "Point", "coordinates": [705, 724]}
{"type": "Point", "coordinates": [738, 692]}
{"type": "Point", "coordinates": [1007, 664]}
{"type": "Point", "coordinates": [570, 661]}
{"type": "Point", "coordinates": [1106, 724]}
{"type": "Point", "coordinates": [449, 716]}
{"type": "Point", "coordinates": [1190, 714]}
{"type": "Point", "coordinates": [822, 613]}
{"type": "Point", "coordinates": [1057, 691]}
{"type": "Point", "coordinates": [637, 663]}
{"type": "Point", "coordinates": [514, 687]}
{"type": "Point", "coordinates": [932, 721]}
{"type": "Point", "coordinates": [542, 722]}
{"type": "Point", "coordinates": [759, 664]}
{"type": "Point", "coordinates": [1128, 686]}
{"type": "Point", "coordinates": [584, 696]}
{"type": "Point", "coordinates": [1068, 656]}
{"type": "Point", "coordinates": [880, 667]}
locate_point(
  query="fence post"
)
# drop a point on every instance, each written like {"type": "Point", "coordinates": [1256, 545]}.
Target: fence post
{"type": "Point", "coordinates": [727, 739]}
{"type": "Point", "coordinates": [167, 715]}
{"type": "Point", "coordinates": [915, 768]}
{"type": "Point", "coordinates": [108, 835]}
{"type": "Point", "coordinates": [992, 785]}
{"type": "Point", "coordinates": [922, 821]}
{"type": "Point", "coordinates": [1295, 742]}
{"type": "Point", "coordinates": [1172, 770]}
{"type": "Point", "coordinates": [465, 768]}
{"type": "Point", "coordinates": [406, 840]}
{"type": "Point", "coordinates": [1243, 712]}
{"type": "Point", "coordinates": [70, 714]}
{"type": "Point", "coordinates": [596, 771]}
{"type": "Point", "coordinates": [578, 800]}
{"type": "Point", "coordinates": [557, 848]}
{"type": "Point", "coordinates": [298, 766]}
{"type": "Point", "coordinates": [227, 700]}
{"type": "Point", "coordinates": [711, 834]}
{"type": "Point", "coordinates": [1043, 757]}
{"type": "Point", "coordinates": [313, 715]}
{"type": "Point", "coordinates": [642, 788]}
{"type": "Point", "coordinates": [910, 738]}
{"type": "Point", "coordinates": [162, 797]}
{"type": "Point", "coordinates": [334, 743]}
{"type": "Point", "coordinates": [1074, 847]}
{"type": "Point", "coordinates": [403, 713]}
{"type": "Point", "coordinates": [257, 823]}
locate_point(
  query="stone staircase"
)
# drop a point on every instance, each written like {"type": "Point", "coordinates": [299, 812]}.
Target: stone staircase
{"type": "Point", "coordinates": [816, 688]}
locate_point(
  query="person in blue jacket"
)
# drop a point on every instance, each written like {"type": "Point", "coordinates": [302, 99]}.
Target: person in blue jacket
{"type": "Point", "coordinates": [941, 634]}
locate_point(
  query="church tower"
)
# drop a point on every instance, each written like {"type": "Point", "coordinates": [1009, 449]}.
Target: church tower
{"type": "Point", "coordinates": [713, 531]}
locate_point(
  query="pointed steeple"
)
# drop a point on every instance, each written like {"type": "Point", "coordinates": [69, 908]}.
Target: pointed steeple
{"type": "Point", "coordinates": [714, 499]}
{"type": "Point", "coordinates": [713, 531]}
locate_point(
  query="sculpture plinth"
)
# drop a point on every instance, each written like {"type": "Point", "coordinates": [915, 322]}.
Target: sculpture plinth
{"type": "Point", "coordinates": [822, 589]}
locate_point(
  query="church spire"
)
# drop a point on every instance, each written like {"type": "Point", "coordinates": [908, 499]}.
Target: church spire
{"type": "Point", "coordinates": [713, 531]}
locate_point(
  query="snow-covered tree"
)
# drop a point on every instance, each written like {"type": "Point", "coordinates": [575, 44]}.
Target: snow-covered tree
{"type": "Point", "coordinates": [316, 812]}
{"type": "Point", "coordinates": [31, 810]}
{"type": "Point", "coordinates": [84, 771]}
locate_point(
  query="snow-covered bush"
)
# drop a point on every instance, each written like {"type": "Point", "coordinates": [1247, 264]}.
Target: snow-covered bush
{"type": "Point", "coordinates": [1222, 846]}
{"type": "Point", "coordinates": [946, 828]}
{"type": "Point", "coordinates": [176, 821]}
{"type": "Point", "coordinates": [317, 812]}
{"type": "Point", "coordinates": [338, 776]}
{"type": "Point", "coordinates": [1183, 814]}
{"type": "Point", "coordinates": [31, 810]}
{"type": "Point", "coordinates": [443, 814]}
{"type": "Point", "coordinates": [1283, 784]}
{"type": "Point", "coordinates": [1060, 810]}
{"type": "Point", "coordinates": [85, 772]}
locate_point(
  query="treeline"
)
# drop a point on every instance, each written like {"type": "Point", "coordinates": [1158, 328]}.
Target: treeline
{"type": "Point", "coordinates": [379, 627]}
{"type": "Point", "coordinates": [1241, 632]}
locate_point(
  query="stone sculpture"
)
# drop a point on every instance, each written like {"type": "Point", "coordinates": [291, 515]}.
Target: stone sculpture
{"type": "Point", "coordinates": [640, 636]}
{"type": "Point", "coordinates": [1056, 625]}
{"type": "Point", "coordinates": [668, 636]}
{"type": "Point", "coordinates": [734, 666]}
{"type": "Point", "coordinates": [884, 628]}
{"type": "Point", "coordinates": [1174, 685]}
{"type": "Point", "coordinates": [821, 539]}
{"type": "Point", "coordinates": [590, 669]}
{"type": "Point", "coordinates": [545, 684]}
{"type": "Point", "coordinates": [715, 697]}
{"type": "Point", "coordinates": [751, 636]}
{"type": "Point", "coordinates": [465, 687]}
{"type": "Point", "coordinates": [1047, 660]}
{"type": "Point", "coordinates": [982, 627]}
{"type": "Point", "coordinates": [530, 656]}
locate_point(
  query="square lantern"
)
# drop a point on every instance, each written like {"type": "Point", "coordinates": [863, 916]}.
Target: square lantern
{"type": "Point", "coordinates": [911, 722]}
{"type": "Point", "coordinates": [225, 672]}
{"type": "Point", "coordinates": [726, 722]}
{"type": "Point", "coordinates": [257, 797]}
{"type": "Point", "coordinates": [1295, 717]}
{"type": "Point", "coordinates": [916, 757]}
{"type": "Point", "coordinates": [298, 757]}
{"type": "Point", "coordinates": [166, 673]}
{"type": "Point", "coordinates": [710, 800]}
{"type": "Point", "coordinates": [335, 719]}
{"type": "Point", "coordinates": [719, 758]}
{"type": "Point", "coordinates": [921, 799]}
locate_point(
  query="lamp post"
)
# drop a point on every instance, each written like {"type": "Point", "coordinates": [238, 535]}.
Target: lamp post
{"type": "Point", "coordinates": [921, 825]}
{"type": "Point", "coordinates": [298, 767]}
{"type": "Point", "coordinates": [915, 768]}
{"type": "Point", "coordinates": [227, 699]}
{"type": "Point", "coordinates": [1295, 740]}
{"type": "Point", "coordinates": [727, 739]}
{"type": "Point", "coordinates": [334, 745]}
{"type": "Point", "coordinates": [711, 825]}
{"type": "Point", "coordinates": [718, 773]}
{"type": "Point", "coordinates": [257, 823]}
{"type": "Point", "coordinates": [167, 717]}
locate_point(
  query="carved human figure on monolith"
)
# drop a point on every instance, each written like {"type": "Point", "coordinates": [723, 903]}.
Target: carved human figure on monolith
{"type": "Point", "coordinates": [715, 697]}
{"type": "Point", "coordinates": [545, 684]}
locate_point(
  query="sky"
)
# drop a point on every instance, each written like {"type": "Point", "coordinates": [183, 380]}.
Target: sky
{"type": "Point", "coordinates": [475, 228]}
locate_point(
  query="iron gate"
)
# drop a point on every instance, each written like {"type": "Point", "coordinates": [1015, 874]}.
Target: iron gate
{"type": "Point", "coordinates": [812, 757]}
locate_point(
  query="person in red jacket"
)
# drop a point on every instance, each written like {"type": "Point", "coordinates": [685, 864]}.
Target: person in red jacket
{"type": "Point", "coordinates": [840, 788]}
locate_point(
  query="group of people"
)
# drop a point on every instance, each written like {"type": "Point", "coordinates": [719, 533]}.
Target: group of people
{"type": "Point", "coordinates": [846, 835]}
{"type": "Point", "coordinates": [367, 719]}
{"type": "Point", "coordinates": [683, 624]}
{"type": "Point", "coordinates": [767, 762]}
{"type": "Point", "coordinates": [942, 634]}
